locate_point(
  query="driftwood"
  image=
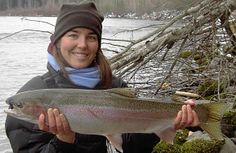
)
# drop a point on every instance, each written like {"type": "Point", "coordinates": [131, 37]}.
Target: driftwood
{"type": "Point", "coordinates": [208, 11]}
{"type": "Point", "coordinates": [206, 27]}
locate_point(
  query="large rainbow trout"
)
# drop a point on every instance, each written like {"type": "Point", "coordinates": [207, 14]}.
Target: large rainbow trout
{"type": "Point", "coordinates": [111, 112]}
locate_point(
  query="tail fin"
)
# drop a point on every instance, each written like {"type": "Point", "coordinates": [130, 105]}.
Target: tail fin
{"type": "Point", "coordinates": [216, 112]}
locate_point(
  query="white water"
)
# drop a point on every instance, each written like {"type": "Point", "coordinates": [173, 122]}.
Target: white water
{"type": "Point", "coordinates": [23, 55]}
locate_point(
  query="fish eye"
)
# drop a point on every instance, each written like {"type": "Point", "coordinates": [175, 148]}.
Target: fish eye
{"type": "Point", "coordinates": [19, 105]}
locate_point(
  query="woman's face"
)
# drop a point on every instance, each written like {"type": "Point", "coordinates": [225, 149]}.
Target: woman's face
{"type": "Point", "coordinates": [79, 47]}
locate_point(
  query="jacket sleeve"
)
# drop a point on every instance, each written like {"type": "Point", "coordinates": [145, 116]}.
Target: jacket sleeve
{"type": "Point", "coordinates": [25, 137]}
{"type": "Point", "coordinates": [33, 84]}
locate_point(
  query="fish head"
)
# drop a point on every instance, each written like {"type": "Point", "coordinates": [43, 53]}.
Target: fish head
{"type": "Point", "coordinates": [25, 107]}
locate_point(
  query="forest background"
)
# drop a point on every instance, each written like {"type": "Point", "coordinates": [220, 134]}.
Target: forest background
{"type": "Point", "coordinates": [50, 7]}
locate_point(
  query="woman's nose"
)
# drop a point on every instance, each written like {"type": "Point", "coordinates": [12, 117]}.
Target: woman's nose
{"type": "Point", "coordinates": [82, 43]}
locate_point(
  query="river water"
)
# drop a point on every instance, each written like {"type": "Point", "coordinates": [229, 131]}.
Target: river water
{"type": "Point", "coordinates": [23, 55]}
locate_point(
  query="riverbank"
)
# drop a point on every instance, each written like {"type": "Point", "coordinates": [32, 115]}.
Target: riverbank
{"type": "Point", "coordinates": [42, 12]}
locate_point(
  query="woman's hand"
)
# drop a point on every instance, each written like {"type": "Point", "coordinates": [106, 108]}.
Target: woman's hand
{"type": "Point", "coordinates": [57, 124]}
{"type": "Point", "coordinates": [186, 116]}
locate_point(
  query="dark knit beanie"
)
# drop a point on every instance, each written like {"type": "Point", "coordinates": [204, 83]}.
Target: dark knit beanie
{"type": "Point", "coordinates": [72, 16]}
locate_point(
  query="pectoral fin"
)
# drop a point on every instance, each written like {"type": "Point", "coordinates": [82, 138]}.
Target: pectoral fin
{"type": "Point", "coordinates": [115, 140]}
{"type": "Point", "coordinates": [167, 134]}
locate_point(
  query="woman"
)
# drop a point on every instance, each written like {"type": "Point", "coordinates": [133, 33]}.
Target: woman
{"type": "Point", "coordinates": [75, 60]}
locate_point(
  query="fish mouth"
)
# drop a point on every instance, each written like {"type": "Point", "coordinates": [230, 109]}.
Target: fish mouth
{"type": "Point", "coordinates": [16, 113]}
{"type": "Point", "coordinates": [13, 111]}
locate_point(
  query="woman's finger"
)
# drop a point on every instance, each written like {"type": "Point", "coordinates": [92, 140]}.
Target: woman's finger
{"type": "Point", "coordinates": [178, 120]}
{"type": "Point", "coordinates": [191, 102]}
{"type": "Point", "coordinates": [59, 124]}
{"type": "Point", "coordinates": [41, 123]}
{"type": "Point", "coordinates": [68, 135]}
{"type": "Point", "coordinates": [190, 115]}
{"type": "Point", "coordinates": [51, 121]}
{"type": "Point", "coordinates": [184, 116]}
{"type": "Point", "coordinates": [65, 123]}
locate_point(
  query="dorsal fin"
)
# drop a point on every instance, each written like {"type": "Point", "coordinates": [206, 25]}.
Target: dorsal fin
{"type": "Point", "coordinates": [127, 92]}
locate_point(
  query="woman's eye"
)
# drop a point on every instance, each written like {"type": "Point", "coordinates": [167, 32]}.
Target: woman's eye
{"type": "Point", "coordinates": [92, 38]}
{"type": "Point", "coordinates": [73, 36]}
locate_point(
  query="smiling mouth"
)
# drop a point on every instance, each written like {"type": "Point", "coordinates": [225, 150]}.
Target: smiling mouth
{"type": "Point", "coordinates": [80, 55]}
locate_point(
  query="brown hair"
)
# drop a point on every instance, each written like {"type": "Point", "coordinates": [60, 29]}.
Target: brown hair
{"type": "Point", "coordinates": [105, 70]}
{"type": "Point", "coordinates": [60, 60]}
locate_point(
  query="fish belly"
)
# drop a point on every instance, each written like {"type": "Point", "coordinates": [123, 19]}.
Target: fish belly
{"type": "Point", "coordinates": [105, 120]}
